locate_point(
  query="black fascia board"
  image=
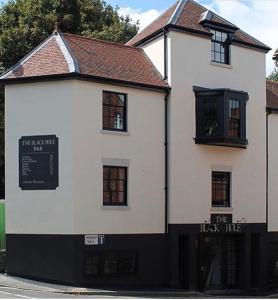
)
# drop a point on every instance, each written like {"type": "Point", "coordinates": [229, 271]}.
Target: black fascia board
{"type": "Point", "coordinates": [198, 90]}
{"type": "Point", "coordinates": [74, 75]}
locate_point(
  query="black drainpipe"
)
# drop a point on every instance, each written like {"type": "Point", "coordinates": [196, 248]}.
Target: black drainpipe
{"type": "Point", "coordinates": [268, 113]}
{"type": "Point", "coordinates": [166, 126]}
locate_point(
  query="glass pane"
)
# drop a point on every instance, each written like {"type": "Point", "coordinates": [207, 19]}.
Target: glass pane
{"type": "Point", "coordinates": [121, 173]}
{"type": "Point", "coordinates": [220, 189]}
{"type": "Point", "coordinates": [127, 263]}
{"type": "Point", "coordinates": [110, 264]}
{"type": "Point", "coordinates": [234, 118]}
{"type": "Point", "coordinates": [217, 47]}
{"type": "Point", "coordinates": [105, 97]}
{"type": "Point", "coordinates": [217, 57]}
{"type": "Point", "coordinates": [224, 36]}
{"type": "Point", "coordinates": [210, 117]}
{"type": "Point", "coordinates": [218, 36]}
{"type": "Point", "coordinates": [113, 173]}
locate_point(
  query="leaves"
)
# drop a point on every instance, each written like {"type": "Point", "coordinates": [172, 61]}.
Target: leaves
{"type": "Point", "coordinates": [274, 75]}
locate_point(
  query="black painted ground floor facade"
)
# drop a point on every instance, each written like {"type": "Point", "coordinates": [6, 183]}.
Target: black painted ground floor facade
{"type": "Point", "coordinates": [193, 257]}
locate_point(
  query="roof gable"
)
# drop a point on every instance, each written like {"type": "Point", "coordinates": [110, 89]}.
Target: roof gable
{"type": "Point", "coordinates": [188, 15]}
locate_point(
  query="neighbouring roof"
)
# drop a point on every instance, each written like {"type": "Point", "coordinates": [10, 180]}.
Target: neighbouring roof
{"type": "Point", "coordinates": [73, 55]}
{"type": "Point", "coordinates": [272, 95]}
{"type": "Point", "coordinates": [189, 16]}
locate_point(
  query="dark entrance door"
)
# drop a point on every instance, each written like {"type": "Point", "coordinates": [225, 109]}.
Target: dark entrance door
{"type": "Point", "coordinates": [219, 262]}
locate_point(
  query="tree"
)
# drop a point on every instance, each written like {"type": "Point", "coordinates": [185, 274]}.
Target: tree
{"type": "Point", "coordinates": [24, 24]}
{"type": "Point", "coordinates": [274, 75]}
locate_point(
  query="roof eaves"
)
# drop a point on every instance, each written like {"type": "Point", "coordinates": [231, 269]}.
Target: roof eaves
{"type": "Point", "coordinates": [80, 76]}
{"type": "Point", "coordinates": [68, 55]}
{"type": "Point", "coordinates": [27, 57]}
{"type": "Point", "coordinates": [176, 14]}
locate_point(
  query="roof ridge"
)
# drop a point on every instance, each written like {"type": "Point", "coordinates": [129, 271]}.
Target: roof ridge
{"type": "Point", "coordinates": [176, 14]}
{"type": "Point", "coordinates": [99, 40]}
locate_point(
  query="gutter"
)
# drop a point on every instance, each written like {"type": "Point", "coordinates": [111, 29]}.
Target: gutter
{"type": "Point", "coordinates": [268, 113]}
{"type": "Point", "coordinates": [166, 130]}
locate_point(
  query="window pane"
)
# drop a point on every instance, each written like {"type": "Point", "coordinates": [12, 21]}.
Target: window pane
{"type": "Point", "coordinates": [110, 264]}
{"type": "Point", "coordinates": [218, 36]}
{"type": "Point", "coordinates": [234, 119]}
{"type": "Point", "coordinates": [220, 189]}
{"type": "Point", "coordinates": [114, 185]}
{"type": "Point", "coordinates": [127, 263]}
{"type": "Point", "coordinates": [92, 264]}
{"type": "Point", "coordinates": [217, 56]}
{"type": "Point", "coordinates": [210, 117]}
{"type": "Point", "coordinates": [114, 111]}
{"type": "Point", "coordinates": [217, 47]}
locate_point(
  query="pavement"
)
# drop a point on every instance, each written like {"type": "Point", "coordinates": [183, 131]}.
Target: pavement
{"type": "Point", "coordinates": [11, 282]}
{"type": "Point", "coordinates": [16, 287]}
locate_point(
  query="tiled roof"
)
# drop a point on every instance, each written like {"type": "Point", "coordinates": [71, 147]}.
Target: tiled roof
{"type": "Point", "coordinates": [187, 15]}
{"type": "Point", "coordinates": [68, 54]}
{"type": "Point", "coordinates": [113, 61]}
{"type": "Point", "coordinates": [47, 59]}
{"type": "Point", "coordinates": [272, 94]}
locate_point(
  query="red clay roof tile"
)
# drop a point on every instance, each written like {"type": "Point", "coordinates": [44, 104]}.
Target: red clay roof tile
{"type": "Point", "coordinates": [189, 18]}
{"type": "Point", "coordinates": [272, 94]}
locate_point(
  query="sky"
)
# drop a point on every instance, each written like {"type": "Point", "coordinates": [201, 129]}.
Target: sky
{"type": "Point", "coordinates": [258, 18]}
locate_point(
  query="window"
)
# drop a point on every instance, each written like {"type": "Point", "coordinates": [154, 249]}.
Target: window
{"type": "Point", "coordinates": [220, 47]}
{"type": "Point", "coordinates": [114, 185]}
{"type": "Point", "coordinates": [114, 111]}
{"type": "Point", "coordinates": [220, 189]}
{"type": "Point", "coordinates": [221, 117]}
{"type": "Point", "coordinates": [110, 263]}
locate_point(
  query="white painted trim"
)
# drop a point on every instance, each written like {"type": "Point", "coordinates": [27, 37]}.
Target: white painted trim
{"type": "Point", "coordinates": [221, 209]}
{"type": "Point", "coordinates": [66, 53]}
{"type": "Point", "coordinates": [214, 63]}
{"type": "Point", "coordinates": [27, 57]}
{"type": "Point", "coordinates": [115, 162]}
{"type": "Point", "coordinates": [221, 168]}
{"type": "Point", "coordinates": [116, 207]}
{"type": "Point", "coordinates": [111, 132]}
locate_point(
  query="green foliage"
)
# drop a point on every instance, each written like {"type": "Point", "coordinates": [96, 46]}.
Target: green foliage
{"type": "Point", "coordinates": [274, 75]}
{"type": "Point", "coordinates": [26, 23]}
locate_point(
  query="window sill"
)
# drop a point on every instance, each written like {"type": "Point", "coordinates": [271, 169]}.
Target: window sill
{"type": "Point", "coordinates": [220, 208]}
{"type": "Point", "coordinates": [214, 63]}
{"type": "Point", "coordinates": [115, 207]}
{"type": "Point", "coordinates": [111, 132]}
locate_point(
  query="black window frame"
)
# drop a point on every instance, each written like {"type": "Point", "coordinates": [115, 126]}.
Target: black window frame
{"type": "Point", "coordinates": [223, 44]}
{"type": "Point", "coordinates": [226, 177]}
{"type": "Point", "coordinates": [125, 181]}
{"type": "Point", "coordinates": [109, 106]}
{"type": "Point", "coordinates": [120, 261]}
{"type": "Point", "coordinates": [222, 99]}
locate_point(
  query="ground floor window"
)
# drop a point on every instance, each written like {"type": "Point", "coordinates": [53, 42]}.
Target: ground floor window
{"type": "Point", "coordinates": [110, 262]}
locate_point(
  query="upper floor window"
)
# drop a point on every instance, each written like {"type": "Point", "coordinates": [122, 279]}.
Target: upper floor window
{"type": "Point", "coordinates": [114, 111]}
{"type": "Point", "coordinates": [220, 47]}
{"type": "Point", "coordinates": [114, 185]}
{"type": "Point", "coordinates": [221, 117]}
{"type": "Point", "coordinates": [221, 189]}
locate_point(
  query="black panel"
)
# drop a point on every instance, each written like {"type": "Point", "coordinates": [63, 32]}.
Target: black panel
{"type": "Point", "coordinates": [61, 258]}
{"type": "Point", "coordinates": [38, 162]}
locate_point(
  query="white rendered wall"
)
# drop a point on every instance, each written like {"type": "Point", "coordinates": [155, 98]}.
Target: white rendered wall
{"type": "Point", "coordinates": [72, 110]}
{"type": "Point", "coordinates": [191, 164]}
{"type": "Point", "coordinates": [39, 109]}
{"type": "Point", "coordinates": [273, 173]}
{"type": "Point", "coordinates": [143, 147]}
{"type": "Point", "coordinates": [155, 51]}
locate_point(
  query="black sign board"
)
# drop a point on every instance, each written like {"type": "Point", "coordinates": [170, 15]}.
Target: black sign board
{"type": "Point", "coordinates": [221, 223]}
{"type": "Point", "coordinates": [38, 162]}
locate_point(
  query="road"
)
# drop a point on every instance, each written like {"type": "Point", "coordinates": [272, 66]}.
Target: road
{"type": "Point", "coordinates": [13, 293]}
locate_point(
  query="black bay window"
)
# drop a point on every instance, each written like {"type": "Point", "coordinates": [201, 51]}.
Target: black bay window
{"type": "Point", "coordinates": [221, 117]}
{"type": "Point", "coordinates": [114, 111]}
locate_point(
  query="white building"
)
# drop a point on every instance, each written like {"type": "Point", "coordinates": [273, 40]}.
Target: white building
{"type": "Point", "coordinates": [143, 165]}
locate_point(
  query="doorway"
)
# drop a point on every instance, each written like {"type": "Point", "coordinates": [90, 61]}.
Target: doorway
{"type": "Point", "coordinates": [219, 262]}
